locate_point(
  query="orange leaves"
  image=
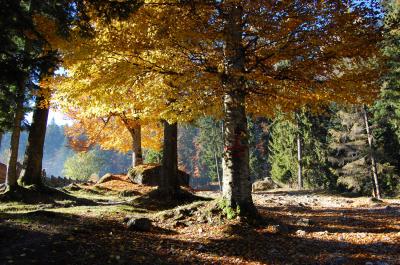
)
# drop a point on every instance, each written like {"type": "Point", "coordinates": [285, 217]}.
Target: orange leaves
{"type": "Point", "coordinates": [110, 133]}
{"type": "Point", "coordinates": [48, 28]}
{"type": "Point", "coordinates": [167, 61]}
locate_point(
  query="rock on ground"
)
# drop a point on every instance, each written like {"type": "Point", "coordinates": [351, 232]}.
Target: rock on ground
{"type": "Point", "coordinates": [93, 178]}
{"type": "Point", "coordinates": [263, 185]}
{"type": "Point", "coordinates": [106, 177]}
{"type": "Point", "coordinates": [139, 224]}
{"type": "Point", "coordinates": [150, 175]}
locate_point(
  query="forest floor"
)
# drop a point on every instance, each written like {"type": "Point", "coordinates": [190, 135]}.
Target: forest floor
{"type": "Point", "coordinates": [300, 227]}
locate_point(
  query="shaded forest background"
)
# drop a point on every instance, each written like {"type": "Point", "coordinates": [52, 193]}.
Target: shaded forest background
{"type": "Point", "coordinates": [334, 144]}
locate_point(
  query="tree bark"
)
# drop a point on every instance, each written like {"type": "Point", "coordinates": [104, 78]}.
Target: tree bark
{"type": "Point", "coordinates": [215, 151]}
{"type": "Point", "coordinates": [376, 190]}
{"type": "Point", "coordinates": [169, 166]}
{"type": "Point", "coordinates": [1, 138]}
{"type": "Point", "coordinates": [11, 180]}
{"type": "Point", "coordinates": [299, 162]}
{"type": "Point", "coordinates": [32, 167]}
{"type": "Point", "coordinates": [236, 178]}
{"type": "Point", "coordinates": [299, 159]}
{"type": "Point", "coordinates": [137, 156]}
{"type": "Point", "coordinates": [217, 169]}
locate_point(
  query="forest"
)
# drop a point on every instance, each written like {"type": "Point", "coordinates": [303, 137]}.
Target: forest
{"type": "Point", "coordinates": [201, 132]}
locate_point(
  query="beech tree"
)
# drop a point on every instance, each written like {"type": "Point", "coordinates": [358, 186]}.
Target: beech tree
{"type": "Point", "coordinates": [143, 92]}
{"type": "Point", "coordinates": [274, 54]}
{"type": "Point", "coordinates": [234, 58]}
{"type": "Point", "coordinates": [115, 132]}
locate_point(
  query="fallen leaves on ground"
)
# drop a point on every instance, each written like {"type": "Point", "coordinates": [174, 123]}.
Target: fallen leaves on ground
{"type": "Point", "coordinates": [300, 228]}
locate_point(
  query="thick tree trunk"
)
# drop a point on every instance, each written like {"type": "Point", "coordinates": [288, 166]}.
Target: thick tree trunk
{"type": "Point", "coordinates": [137, 156]}
{"type": "Point", "coordinates": [169, 167]}
{"type": "Point", "coordinates": [377, 192]}
{"type": "Point", "coordinates": [11, 180]}
{"type": "Point", "coordinates": [32, 167]}
{"type": "Point", "coordinates": [1, 138]}
{"type": "Point", "coordinates": [235, 164]}
{"type": "Point", "coordinates": [236, 178]}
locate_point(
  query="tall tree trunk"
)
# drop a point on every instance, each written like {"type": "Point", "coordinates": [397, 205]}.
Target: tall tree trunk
{"type": "Point", "coordinates": [377, 192]}
{"type": "Point", "coordinates": [11, 180]}
{"type": "Point", "coordinates": [215, 151]}
{"type": "Point", "coordinates": [299, 159]}
{"type": "Point", "coordinates": [32, 172]}
{"type": "Point", "coordinates": [299, 164]}
{"type": "Point", "coordinates": [236, 178]}
{"type": "Point", "coordinates": [137, 156]}
{"type": "Point", "coordinates": [169, 166]}
{"type": "Point", "coordinates": [217, 169]}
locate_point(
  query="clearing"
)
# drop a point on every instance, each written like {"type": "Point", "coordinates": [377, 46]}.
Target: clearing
{"type": "Point", "coordinates": [301, 227]}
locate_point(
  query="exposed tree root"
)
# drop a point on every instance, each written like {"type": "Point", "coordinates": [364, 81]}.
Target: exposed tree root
{"type": "Point", "coordinates": [161, 199]}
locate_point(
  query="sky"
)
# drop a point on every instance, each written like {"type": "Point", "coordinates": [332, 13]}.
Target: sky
{"type": "Point", "coordinates": [58, 117]}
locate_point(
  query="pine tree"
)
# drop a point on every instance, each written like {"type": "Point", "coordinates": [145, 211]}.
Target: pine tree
{"type": "Point", "coordinates": [350, 152]}
{"type": "Point", "coordinates": [30, 57]}
{"type": "Point", "coordinates": [209, 143]}
{"type": "Point", "coordinates": [310, 130]}
{"type": "Point", "coordinates": [386, 110]}
{"type": "Point", "coordinates": [313, 132]}
{"type": "Point", "coordinates": [187, 149]}
{"type": "Point", "coordinates": [283, 151]}
{"type": "Point", "coordinates": [259, 138]}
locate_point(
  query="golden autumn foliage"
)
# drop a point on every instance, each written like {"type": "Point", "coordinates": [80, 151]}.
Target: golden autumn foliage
{"type": "Point", "coordinates": [166, 60]}
{"type": "Point", "coordinates": [178, 60]}
{"type": "Point", "coordinates": [110, 133]}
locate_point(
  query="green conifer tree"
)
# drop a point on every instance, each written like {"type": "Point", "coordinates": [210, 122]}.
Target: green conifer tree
{"type": "Point", "coordinates": [283, 151]}
{"type": "Point", "coordinates": [259, 136]}
{"type": "Point", "coordinates": [386, 110]}
{"type": "Point", "coordinates": [350, 151]}
{"type": "Point", "coordinates": [311, 129]}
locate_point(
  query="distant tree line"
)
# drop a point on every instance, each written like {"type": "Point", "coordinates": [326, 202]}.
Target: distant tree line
{"type": "Point", "coordinates": [61, 160]}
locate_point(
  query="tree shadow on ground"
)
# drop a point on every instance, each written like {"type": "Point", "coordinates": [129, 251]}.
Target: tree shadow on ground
{"type": "Point", "coordinates": [43, 237]}
{"type": "Point", "coordinates": [71, 240]}
{"type": "Point", "coordinates": [252, 245]}
{"type": "Point", "coordinates": [292, 192]}
{"type": "Point", "coordinates": [158, 201]}
{"type": "Point", "coordinates": [338, 220]}
{"type": "Point", "coordinates": [41, 194]}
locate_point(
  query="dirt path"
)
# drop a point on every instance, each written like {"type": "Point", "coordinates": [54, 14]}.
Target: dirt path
{"type": "Point", "coordinates": [302, 228]}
